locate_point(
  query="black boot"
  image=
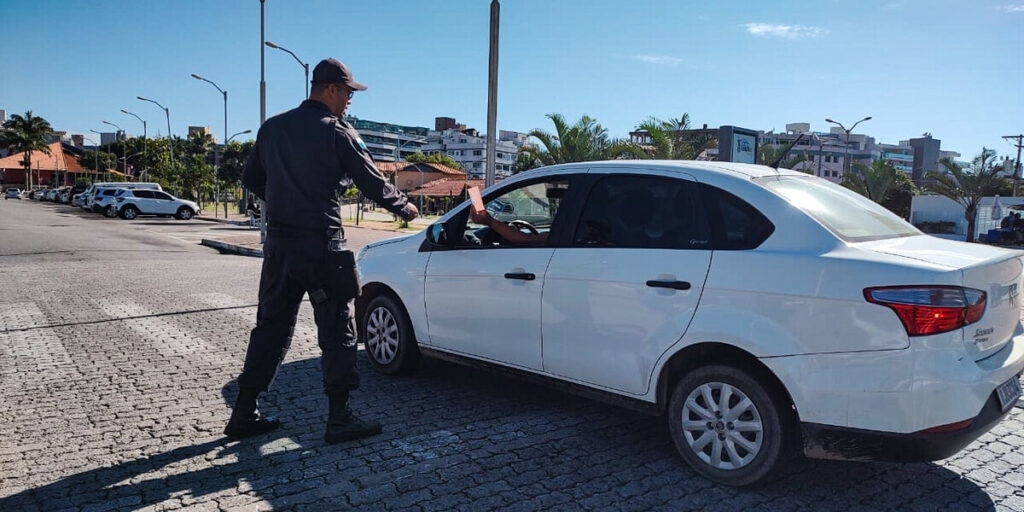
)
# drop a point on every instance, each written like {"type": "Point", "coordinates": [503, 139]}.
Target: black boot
{"type": "Point", "coordinates": [246, 420]}
{"type": "Point", "coordinates": [342, 425]}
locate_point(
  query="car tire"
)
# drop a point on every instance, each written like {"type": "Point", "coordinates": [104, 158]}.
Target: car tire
{"type": "Point", "coordinates": [388, 338]}
{"type": "Point", "coordinates": [109, 211]}
{"type": "Point", "coordinates": [184, 213]}
{"type": "Point", "coordinates": [711, 438]}
{"type": "Point", "coordinates": [129, 212]}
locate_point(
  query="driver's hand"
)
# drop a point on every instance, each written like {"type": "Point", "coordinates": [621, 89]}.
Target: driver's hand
{"type": "Point", "coordinates": [479, 217]}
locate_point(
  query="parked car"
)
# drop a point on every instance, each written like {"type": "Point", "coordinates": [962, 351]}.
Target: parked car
{"type": "Point", "coordinates": [12, 193]}
{"type": "Point", "coordinates": [761, 311]}
{"type": "Point", "coordinates": [90, 191]}
{"type": "Point", "coordinates": [103, 201]}
{"type": "Point", "coordinates": [129, 204]}
{"type": "Point", "coordinates": [51, 194]}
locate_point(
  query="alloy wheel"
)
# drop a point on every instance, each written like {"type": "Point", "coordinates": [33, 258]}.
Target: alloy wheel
{"type": "Point", "coordinates": [382, 335]}
{"type": "Point", "coordinates": [722, 426]}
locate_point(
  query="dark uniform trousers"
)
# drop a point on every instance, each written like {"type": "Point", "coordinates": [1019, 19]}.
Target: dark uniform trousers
{"type": "Point", "coordinates": [296, 263]}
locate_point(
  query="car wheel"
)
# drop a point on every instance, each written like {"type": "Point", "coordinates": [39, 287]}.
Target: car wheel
{"type": "Point", "coordinates": [388, 337]}
{"type": "Point", "coordinates": [110, 211]}
{"type": "Point", "coordinates": [184, 213]}
{"type": "Point", "coordinates": [129, 212]}
{"type": "Point", "coordinates": [727, 426]}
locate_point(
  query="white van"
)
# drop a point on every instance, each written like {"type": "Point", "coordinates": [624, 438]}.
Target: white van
{"type": "Point", "coordinates": [90, 193]}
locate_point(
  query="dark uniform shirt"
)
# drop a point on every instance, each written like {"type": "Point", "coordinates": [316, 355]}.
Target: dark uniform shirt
{"type": "Point", "coordinates": [303, 161]}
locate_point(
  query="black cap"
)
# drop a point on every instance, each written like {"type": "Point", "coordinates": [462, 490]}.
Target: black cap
{"type": "Point", "coordinates": [332, 71]}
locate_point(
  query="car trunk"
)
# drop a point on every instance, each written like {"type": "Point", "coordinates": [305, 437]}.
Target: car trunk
{"type": "Point", "coordinates": [994, 270]}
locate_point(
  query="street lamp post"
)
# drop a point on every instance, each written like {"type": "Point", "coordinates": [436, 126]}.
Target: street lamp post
{"type": "Point", "coordinates": [124, 146]}
{"type": "Point", "coordinates": [398, 158]}
{"type": "Point", "coordinates": [243, 132]}
{"type": "Point", "coordinates": [216, 162]}
{"type": "Point", "coordinates": [846, 164]}
{"type": "Point", "coordinates": [297, 59]}
{"type": "Point", "coordinates": [142, 172]}
{"type": "Point", "coordinates": [167, 111]}
{"type": "Point", "coordinates": [95, 152]}
{"type": "Point", "coordinates": [98, 154]}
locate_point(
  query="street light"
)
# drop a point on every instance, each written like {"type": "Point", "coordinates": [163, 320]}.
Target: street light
{"type": "Point", "coordinates": [398, 158]}
{"type": "Point", "coordinates": [216, 163]}
{"type": "Point", "coordinates": [167, 111]}
{"type": "Point", "coordinates": [846, 164]}
{"type": "Point", "coordinates": [124, 145]}
{"type": "Point", "coordinates": [97, 152]}
{"type": "Point", "coordinates": [297, 59]}
{"type": "Point", "coordinates": [142, 172]}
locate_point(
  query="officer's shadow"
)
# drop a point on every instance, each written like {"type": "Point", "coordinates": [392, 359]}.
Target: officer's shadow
{"type": "Point", "coordinates": [209, 467]}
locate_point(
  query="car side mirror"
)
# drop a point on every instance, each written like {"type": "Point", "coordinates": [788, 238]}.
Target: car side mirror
{"type": "Point", "coordinates": [437, 233]}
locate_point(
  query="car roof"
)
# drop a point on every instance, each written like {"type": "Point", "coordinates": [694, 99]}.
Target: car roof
{"type": "Point", "coordinates": [735, 169]}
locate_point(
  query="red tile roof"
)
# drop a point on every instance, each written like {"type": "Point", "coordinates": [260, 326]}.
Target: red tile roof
{"type": "Point", "coordinates": [392, 167]}
{"type": "Point", "coordinates": [57, 160]}
{"type": "Point", "coordinates": [445, 187]}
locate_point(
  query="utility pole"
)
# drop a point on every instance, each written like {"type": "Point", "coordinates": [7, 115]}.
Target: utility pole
{"type": "Point", "coordinates": [1016, 165]}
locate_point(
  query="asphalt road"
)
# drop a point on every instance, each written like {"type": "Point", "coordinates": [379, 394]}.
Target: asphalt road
{"type": "Point", "coordinates": [120, 342]}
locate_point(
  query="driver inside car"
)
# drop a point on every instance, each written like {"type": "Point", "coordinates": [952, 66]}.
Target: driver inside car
{"type": "Point", "coordinates": [509, 233]}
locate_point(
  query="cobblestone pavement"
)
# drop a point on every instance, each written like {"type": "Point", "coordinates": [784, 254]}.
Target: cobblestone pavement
{"type": "Point", "coordinates": [117, 368]}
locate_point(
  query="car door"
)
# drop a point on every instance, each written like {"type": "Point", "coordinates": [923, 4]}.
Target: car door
{"type": "Point", "coordinates": [163, 203]}
{"type": "Point", "coordinates": [628, 286]}
{"type": "Point", "coordinates": [482, 294]}
{"type": "Point", "coordinates": [144, 201]}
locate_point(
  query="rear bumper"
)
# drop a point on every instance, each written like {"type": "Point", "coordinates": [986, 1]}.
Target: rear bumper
{"type": "Point", "coordinates": [831, 442]}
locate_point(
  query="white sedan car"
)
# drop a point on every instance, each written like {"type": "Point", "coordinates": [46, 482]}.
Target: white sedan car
{"type": "Point", "coordinates": [763, 312]}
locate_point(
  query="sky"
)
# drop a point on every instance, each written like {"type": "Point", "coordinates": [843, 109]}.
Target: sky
{"type": "Point", "coordinates": [952, 68]}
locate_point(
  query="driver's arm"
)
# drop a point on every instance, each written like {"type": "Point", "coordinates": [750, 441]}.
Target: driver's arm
{"type": "Point", "coordinates": [507, 232]}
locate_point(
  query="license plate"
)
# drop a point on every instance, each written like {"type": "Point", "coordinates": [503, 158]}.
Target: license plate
{"type": "Point", "coordinates": [1009, 392]}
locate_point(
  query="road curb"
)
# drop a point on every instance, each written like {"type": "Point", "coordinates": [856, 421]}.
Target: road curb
{"type": "Point", "coordinates": [232, 248]}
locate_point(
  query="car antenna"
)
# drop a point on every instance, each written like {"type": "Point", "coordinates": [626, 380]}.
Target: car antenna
{"type": "Point", "coordinates": [775, 164]}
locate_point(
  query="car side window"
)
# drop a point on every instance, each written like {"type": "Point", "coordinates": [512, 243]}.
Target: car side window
{"type": "Point", "coordinates": [735, 224]}
{"type": "Point", "coordinates": [531, 208]}
{"type": "Point", "coordinates": [159, 195]}
{"type": "Point", "coordinates": [143, 194]}
{"type": "Point", "coordinates": [629, 211]}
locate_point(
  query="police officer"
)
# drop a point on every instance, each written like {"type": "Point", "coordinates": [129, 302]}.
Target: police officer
{"type": "Point", "coordinates": [303, 160]}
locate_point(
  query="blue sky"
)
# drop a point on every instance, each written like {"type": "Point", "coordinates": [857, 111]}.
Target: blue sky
{"type": "Point", "coordinates": [949, 67]}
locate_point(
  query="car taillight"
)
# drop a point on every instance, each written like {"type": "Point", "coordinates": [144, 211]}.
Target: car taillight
{"type": "Point", "coordinates": [928, 310]}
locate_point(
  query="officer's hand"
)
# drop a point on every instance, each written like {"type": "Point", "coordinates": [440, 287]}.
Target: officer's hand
{"type": "Point", "coordinates": [411, 212]}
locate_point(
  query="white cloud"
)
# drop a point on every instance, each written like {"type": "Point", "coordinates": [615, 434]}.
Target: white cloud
{"type": "Point", "coordinates": [1012, 8]}
{"type": "Point", "coordinates": [783, 31]}
{"type": "Point", "coordinates": [662, 60]}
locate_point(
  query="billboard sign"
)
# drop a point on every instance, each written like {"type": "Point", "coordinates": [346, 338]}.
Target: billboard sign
{"type": "Point", "coordinates": [737, 144]}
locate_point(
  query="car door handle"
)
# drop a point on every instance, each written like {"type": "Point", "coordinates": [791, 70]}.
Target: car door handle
{"type": "Point", "coordinates": [675, 285]}
{"type": "Point", "coordinates": [525, 276]}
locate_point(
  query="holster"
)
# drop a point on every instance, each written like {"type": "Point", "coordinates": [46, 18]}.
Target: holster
{"type": "Point", "coordinates": [343, 281]}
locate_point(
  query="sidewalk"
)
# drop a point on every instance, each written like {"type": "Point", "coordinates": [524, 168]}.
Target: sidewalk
{"type": "Point", "coordinates": [249, 244]}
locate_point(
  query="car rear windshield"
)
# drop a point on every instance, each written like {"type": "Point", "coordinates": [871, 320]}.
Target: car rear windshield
{"type": "Point", "coordinates": [849, 215]}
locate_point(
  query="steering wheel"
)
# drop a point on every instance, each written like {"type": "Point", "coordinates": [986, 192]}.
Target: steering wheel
{"type": "Point", "coordinates": [522, 225]}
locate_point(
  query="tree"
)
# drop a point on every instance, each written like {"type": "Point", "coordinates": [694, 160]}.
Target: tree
{"type": "Point", "coordinates": [673, 140]}
{"type": "Point", "coordinates": [525, 161]}
{"type": "Point", "coordinates": [882, 183]}
{"type": "Point", "coordinates": [767, 155]}
{"type": "Point", "coordinates": [437, 158]}
{"type": "Point", "coordinates": [584, 141]}
{"type": "Point", "coordinates": [26, 134]}
{"type": "Point", "coordinates": [968, 186]}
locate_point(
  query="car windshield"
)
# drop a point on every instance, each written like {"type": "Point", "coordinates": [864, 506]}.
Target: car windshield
{"type": "Point", "coordinates": [849, 215]}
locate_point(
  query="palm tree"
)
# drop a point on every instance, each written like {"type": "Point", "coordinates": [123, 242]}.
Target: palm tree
{"type": "Point", "coordinates": [968, 186]}
{"type": "Point", "coordinates": [25, 134]}
{"type": "Point", "coordinates": [874, 182]}
{"type": "Point", "coordinates": [672, 140]}
{"type": "Point", "coordinates": [586, 140]}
